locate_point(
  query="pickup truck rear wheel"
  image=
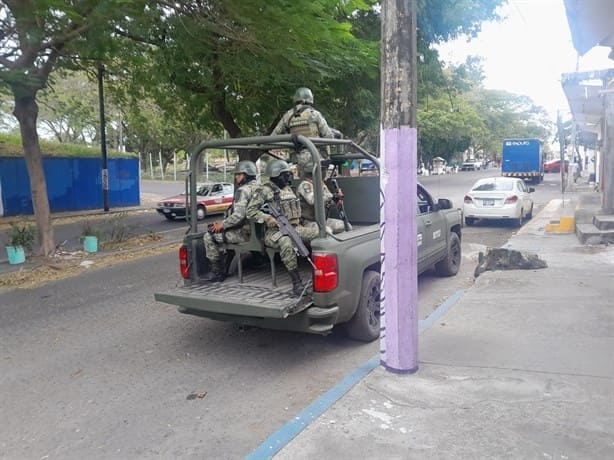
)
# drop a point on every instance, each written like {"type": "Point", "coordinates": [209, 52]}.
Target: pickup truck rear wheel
{"type": "Point", "coordinates": [365, 324]}
{"type": "Point", "coordinates": [451, 263]}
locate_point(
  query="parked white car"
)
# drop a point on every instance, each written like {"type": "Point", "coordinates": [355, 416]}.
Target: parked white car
{"type": "Point", "coordinates": [498, 198]}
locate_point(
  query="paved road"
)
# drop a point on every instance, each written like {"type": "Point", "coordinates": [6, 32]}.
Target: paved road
{"type": "Point", "coordinates": [93, 367]}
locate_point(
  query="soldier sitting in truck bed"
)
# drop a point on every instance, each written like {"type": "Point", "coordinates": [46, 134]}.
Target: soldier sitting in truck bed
{"type": "Point", "coordinates": [235, 227]}
{"type": "Point", "coordinates": [280, 195]}
{"type": "Point", "coordinates": [304, 190]}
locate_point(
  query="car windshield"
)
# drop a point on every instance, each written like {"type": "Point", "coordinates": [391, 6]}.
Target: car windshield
{"type": "Point", "coordinates": [204, 191]}
{"type": "Point", "coordinates": [493, 186]}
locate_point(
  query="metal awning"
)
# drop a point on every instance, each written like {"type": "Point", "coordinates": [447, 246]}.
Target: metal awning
{"type": "Point", "coordinates": [591, 23]}
{"type": "Point", "coordinates": [584, 92]}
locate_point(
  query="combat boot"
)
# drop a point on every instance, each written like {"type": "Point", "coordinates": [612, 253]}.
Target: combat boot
{"type": "Point", "coordinates": [217, 274]}
{"type": "Point", "coordinates": [297, 285]}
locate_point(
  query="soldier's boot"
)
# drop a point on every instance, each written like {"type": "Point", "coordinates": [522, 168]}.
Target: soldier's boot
{"type": "Point", "coordinates": [297, 284]}
{"type": "Point", "coordinates": [217, 274]}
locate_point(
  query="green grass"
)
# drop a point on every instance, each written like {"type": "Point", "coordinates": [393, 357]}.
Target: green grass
{"type": "Point", "coordinates": [10, 146]}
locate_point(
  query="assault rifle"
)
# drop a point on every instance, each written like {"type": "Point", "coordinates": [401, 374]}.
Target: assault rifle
{"type": "Point", "coordinates": [286, 228]}
{"type": "Point", "coordinates": [339, 202]}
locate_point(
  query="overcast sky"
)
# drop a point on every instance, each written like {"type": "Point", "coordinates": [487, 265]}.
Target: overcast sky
{"type": "Point", "coordinates": [528, 52]}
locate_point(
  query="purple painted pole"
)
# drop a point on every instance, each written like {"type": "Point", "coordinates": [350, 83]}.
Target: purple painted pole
{"type": "Point", "coordinates": [398, 199]}
{"type": "Point", "coordinates": [398, 231]}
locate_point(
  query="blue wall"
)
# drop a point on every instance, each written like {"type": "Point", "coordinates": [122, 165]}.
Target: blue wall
{"type": "Point", "coordinates": [73, 184]}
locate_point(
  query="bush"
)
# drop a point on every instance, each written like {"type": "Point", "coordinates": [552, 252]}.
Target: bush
{"type": "Point", "coordinates": [22, 235]}
{"type": "Point", "coordinates": [89, 230]}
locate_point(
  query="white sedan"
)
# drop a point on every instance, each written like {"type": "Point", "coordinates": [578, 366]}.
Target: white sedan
{"type": "Point", "coordinates": [498, 198]}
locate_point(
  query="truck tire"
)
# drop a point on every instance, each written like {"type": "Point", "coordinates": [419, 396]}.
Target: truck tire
{"type": "Point", "coordinates": [365, 324]}
{"type": "Point", "coordinates": [451, 263]}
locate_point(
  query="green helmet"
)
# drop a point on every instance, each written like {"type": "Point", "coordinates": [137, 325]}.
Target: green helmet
{"type": "Point", "coordinates": [275, 167]}
{"type": "Point", "coordinates": [303, 96]}
{"type": "Point", "coordinates": [246, 167]}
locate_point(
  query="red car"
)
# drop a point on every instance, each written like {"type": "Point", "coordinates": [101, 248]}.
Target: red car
{"type": "Point", "coordinates": [211, 198]}
{"type": "Point", "coordinates": [554, 166]}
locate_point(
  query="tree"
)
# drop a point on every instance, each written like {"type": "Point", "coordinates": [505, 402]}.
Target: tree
{"type": "Point", "coordinates": [445, 130]}
{"type": "Point", "coordinates": [68, 108]}
{"type": "Point", "coordinates": [506, 115]}
{"type": "Point", "coordinates": [225, 62]}
{"type": "Point", "coordinates": [36, 37]}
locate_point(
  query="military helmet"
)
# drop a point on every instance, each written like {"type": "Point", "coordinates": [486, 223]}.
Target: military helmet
{"type": "Point", "coordinates": [246, 167]}
{"type": "Point", "coordinates": [275, 167]}
{"type": "Point", "coordinates": [303, 96]}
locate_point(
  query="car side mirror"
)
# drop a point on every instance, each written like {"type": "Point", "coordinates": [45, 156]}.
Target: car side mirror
{"type": "Point", "coordinates": [531, 189]}
{"type": "Point", "coordinates": [444, 203]}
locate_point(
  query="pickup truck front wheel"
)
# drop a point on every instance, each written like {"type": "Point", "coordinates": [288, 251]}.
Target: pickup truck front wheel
{"type": "Point", "coordinates": [451, 263]}
{"type": "Point", "coordinates": [365, 324]}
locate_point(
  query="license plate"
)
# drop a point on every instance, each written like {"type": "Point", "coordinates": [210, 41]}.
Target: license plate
{"type": "Point", "coordinates": [488, 202]}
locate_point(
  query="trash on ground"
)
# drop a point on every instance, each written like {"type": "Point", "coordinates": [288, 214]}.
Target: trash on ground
{"type": "Point", "coordinates": [507, 259]}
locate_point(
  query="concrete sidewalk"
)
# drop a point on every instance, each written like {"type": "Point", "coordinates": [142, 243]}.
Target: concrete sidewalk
{"type": "Point", "coordinates": [521, 366]}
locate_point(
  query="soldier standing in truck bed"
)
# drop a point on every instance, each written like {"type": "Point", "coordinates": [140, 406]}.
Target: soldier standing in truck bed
{"type": "Point", "coordinates": [303, 120]}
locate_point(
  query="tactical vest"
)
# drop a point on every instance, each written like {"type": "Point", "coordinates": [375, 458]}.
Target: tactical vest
{"type": "Point", "coordinates": [247, 190]}
{"type": "Point", "coordinates": [308, 211]}
{"type": "Point", "coordinates": [286, 202]}
{"type": "Point", "coordinates": [301, 123]}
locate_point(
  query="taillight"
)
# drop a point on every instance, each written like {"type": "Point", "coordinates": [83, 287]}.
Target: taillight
{"type": "Point", "coordinates": [511, 199]}
{"type": "Point", "coordinates": [325, 275]}
{"type": "Point", "coordinates": [183, 262]}
{"type": "Point", "coordinates": [468, 199]}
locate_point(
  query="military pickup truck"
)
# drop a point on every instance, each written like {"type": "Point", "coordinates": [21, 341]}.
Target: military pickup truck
{"type": "Point", "coordinates": [344, 268]}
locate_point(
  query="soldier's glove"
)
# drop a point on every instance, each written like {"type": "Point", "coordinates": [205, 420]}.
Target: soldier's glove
{"type": "Point", "coordinates": [270, 221]}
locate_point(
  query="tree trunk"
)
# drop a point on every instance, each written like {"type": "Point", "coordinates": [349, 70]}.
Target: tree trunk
{"type": "Point", "coordinates": [26, 112]}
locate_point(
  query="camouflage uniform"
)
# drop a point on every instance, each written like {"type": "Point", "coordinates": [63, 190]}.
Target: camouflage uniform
{"type": "Point", "coordinates": [236, 228]}
{"type": "Point", "coordinates": [306, 195]}
{"type": "Point", "coordinates": [304, 120]}
{"type": "Point", "coordinates": [288, 205]}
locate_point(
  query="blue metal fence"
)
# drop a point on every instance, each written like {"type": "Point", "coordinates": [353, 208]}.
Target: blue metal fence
{"type": "Point", "coordinates": [73, 184]}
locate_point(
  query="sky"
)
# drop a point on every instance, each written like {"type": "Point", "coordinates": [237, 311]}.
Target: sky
{"type": "Point", "coordinates": [528, 51]}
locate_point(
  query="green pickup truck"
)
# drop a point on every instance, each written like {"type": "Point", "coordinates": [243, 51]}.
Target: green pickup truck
{"type": "Point", "coordinates": [345, 275]}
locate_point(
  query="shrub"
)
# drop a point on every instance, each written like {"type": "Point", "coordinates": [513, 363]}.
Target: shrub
{"type": "Point", "coordinates": [22, 235]}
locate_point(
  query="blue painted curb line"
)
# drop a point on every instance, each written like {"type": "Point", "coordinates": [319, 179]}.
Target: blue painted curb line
{"type": "Point", "coordinates": [282, 437]}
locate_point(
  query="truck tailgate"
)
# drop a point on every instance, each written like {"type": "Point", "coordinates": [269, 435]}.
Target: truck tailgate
{"type": "Point", "coordinates": [254, 297]}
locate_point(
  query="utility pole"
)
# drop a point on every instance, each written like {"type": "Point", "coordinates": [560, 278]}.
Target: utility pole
{"type": "Point", "coordinates": [398, 185]}
{"type": "Point", "coordinates": [103, 141]}
{"type": "Point", "coordinates": [607, 168]}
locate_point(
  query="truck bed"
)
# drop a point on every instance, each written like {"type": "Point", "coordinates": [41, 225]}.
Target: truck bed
{"type": "Point", "coordinates": [255, 296]}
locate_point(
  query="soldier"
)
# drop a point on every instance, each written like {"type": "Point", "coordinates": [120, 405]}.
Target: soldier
{"type": "Point", "coordinates": [304, 190]}
{"type": "Point", "coordinates": [280, 195]}
{"type": "Point", "coordinates": [303, 120]}
{"type": "Point", "coordinates": [235, 227]}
